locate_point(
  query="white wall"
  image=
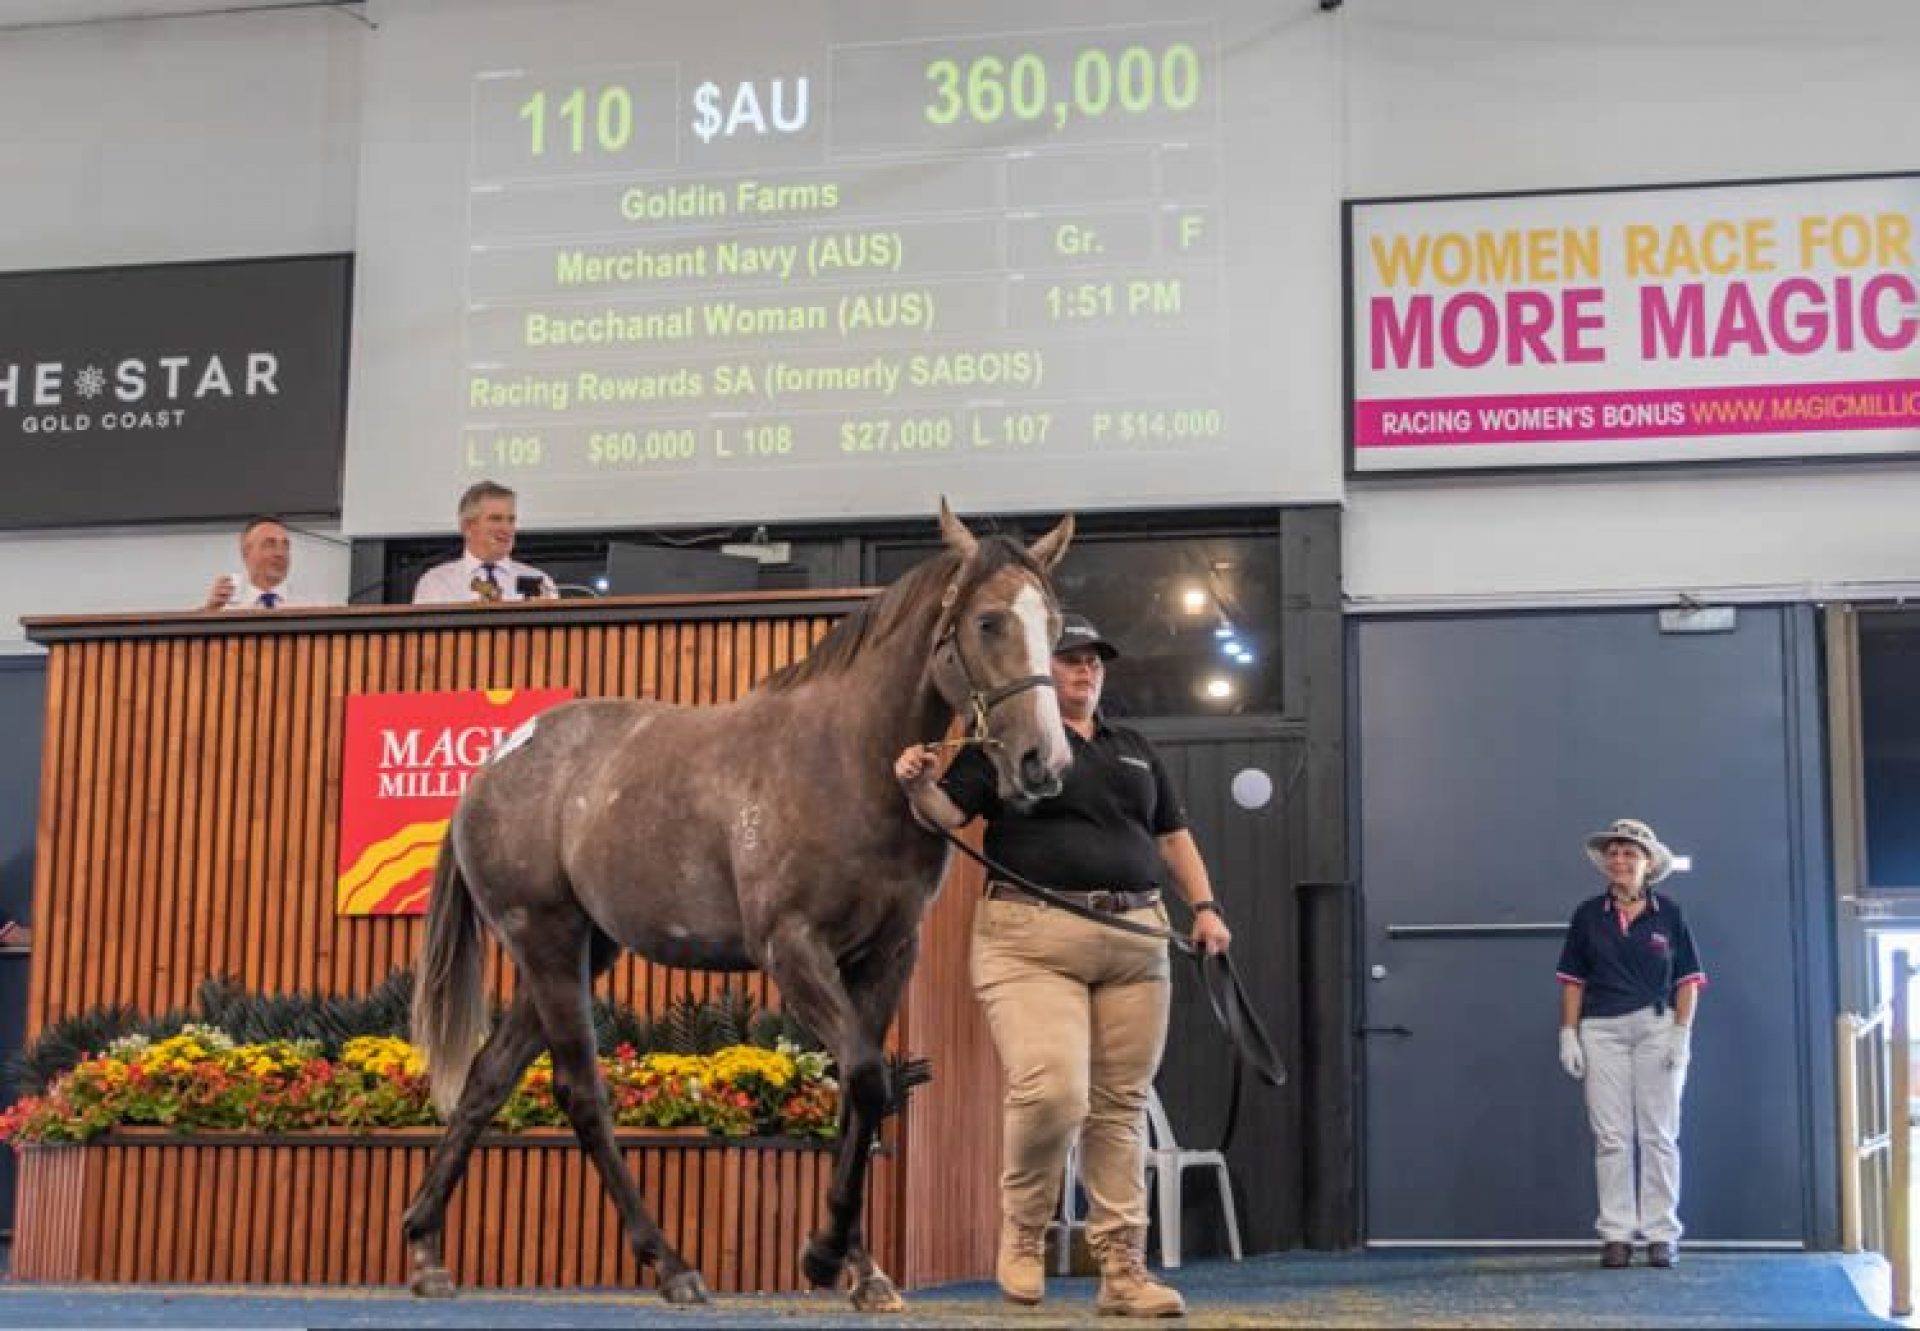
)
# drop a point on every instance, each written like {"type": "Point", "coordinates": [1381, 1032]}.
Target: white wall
{"type": "Point", "coordinates": [1461, 96]}
{"type": "Point", "coordinates": [210, 137]}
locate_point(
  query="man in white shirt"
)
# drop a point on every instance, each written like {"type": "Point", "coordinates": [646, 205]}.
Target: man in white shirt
{"type": "Point", "coordinates": [266, 551]}
{"type": "Point", "coordinates": [485, 571]}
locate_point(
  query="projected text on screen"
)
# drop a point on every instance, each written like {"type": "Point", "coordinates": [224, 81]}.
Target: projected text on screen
{"type": "Point", "coordinates": [824, 260]}
{"type": "Point", "coordinates": [631, 309]}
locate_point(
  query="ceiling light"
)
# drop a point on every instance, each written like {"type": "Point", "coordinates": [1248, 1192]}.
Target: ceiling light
{"type": "Point", "coordinates": [1194, 599]}
{"type": "Point", "coordinates": [1219, 687]}
{"type": "Point", "coordinates": [1224, 631]}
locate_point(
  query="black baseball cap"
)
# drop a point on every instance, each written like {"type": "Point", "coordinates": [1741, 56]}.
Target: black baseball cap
{"type": "Point", "coordinates": [1077, 632]}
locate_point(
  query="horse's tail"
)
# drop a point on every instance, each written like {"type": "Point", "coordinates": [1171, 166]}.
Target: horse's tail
{"type": "Point", "coordinates": [449, 1001]}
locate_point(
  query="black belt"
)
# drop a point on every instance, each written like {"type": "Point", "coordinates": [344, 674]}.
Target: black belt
{"type": "Point", "coordinates": [1105, 900]}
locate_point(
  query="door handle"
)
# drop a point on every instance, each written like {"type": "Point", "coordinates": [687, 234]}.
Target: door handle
{"type": "Point", "coordinates": [1385, 1030]}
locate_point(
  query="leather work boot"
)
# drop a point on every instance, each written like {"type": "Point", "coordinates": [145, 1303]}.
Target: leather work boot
{"type": "Point", "coordinates": [1615, 1255]}
{"type": "Point", "coordinates": [1022, 1266]}
{"type": "Point", "coordinates": [1126, 1288]}
{"type": "Point", "coordinates": [1662, 1254]}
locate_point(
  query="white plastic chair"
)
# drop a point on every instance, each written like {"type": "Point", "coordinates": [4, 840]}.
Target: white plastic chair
{"type": "Point", "coordinates": [1167, 1164]}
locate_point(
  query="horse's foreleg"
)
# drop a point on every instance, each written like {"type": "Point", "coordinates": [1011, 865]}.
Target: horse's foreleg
{"type": "Point", "coordinates": [582, 1096]}
{"type": "Point", "coordinates": [851, 1013]}
{"type": "Point", "coordinates": [496, 1070]}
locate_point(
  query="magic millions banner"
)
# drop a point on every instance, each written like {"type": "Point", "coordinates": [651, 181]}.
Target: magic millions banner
{"type": "Point", "coordinates": [408, 758]}
{"type": "Point", "coordinates": [1673, 325]}
{"type": "Point", "coordinates": [173, 391]}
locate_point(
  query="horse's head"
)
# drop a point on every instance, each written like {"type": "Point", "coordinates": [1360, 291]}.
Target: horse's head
{"type": "Point", "coordinates": [994, 658]}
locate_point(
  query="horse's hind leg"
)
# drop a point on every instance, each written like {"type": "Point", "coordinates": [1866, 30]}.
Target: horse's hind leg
{"type": "Point", "coordinates": [557, 989]}
{"type": "Point", "coordinates": [496, 1070]}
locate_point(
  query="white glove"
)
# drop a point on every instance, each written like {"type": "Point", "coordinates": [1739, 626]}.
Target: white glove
{"type": "Point", "coordinates": [1572, 1057]}
{"type": "Point", "coordinates": [1679, 1047]}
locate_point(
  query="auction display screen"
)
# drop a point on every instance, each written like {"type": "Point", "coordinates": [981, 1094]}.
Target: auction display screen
{"type": "Point", "coordinates": [671, 263]}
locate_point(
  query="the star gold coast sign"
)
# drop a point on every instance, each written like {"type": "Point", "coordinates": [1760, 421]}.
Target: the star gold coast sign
{"type": "Point", "coordinates": [131, 392]}
{"type": "Point", "coordinates": [186, 391]}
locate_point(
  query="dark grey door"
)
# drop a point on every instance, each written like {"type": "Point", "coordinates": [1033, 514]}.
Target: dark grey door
{"type": "Point", "coordinates": [1247, 853]}
{"type": "Point", "coordinates": [1487, 748]}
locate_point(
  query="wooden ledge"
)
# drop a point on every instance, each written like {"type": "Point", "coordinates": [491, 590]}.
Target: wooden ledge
{"type": "Point", "coordinates": [52, 630]}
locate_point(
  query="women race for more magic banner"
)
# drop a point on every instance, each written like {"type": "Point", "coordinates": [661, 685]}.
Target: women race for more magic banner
{"type": "Point", "coordinates": [408, 757]}
{"type": "Point", "coordinates": [1726, 322]}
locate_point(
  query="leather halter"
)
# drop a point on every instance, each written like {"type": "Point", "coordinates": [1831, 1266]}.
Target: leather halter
{"type": "Point", "coordinates": [980, 702]}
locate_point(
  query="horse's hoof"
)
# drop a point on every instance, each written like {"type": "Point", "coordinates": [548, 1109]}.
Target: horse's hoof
{"type": "Point", "coordinates": [687, 1287]}
{"type": "Point", "coordinates": [876, 1294]}
{"type": "Point", "coordinates": [432, 1282]}
{"type": "Point", "coordinates": [820, 1265]}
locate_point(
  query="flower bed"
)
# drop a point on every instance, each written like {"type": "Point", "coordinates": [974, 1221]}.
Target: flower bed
{"type": "Point", "coordinates": [201, 1080]}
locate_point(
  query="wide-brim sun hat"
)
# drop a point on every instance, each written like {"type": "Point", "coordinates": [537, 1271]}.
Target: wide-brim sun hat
{"type": "Point", "coordinates": [1631, 829]}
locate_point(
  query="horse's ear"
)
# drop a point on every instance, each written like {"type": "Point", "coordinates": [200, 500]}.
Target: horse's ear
{"type": "Point", "coordinates": [954, 532]}
{"type": "Point", "coordinates": [1048, 549]}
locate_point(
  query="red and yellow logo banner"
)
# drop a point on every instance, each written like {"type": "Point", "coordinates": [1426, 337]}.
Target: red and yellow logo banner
{"type": "Point", "coordinates": [408, 757]}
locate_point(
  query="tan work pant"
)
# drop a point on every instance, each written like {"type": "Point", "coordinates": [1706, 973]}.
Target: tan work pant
{"type": "Point", "coordinates": [1078, 1013]}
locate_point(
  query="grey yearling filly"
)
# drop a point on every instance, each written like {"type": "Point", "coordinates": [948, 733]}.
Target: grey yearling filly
{"type": "Point", "coordinates": [765, 834]}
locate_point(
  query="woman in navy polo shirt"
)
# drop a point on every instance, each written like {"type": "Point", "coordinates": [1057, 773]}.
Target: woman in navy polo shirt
{"type": "Point", "coordinates": [1630, 981]}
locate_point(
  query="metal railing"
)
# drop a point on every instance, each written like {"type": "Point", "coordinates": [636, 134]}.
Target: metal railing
{"type": "Point", "coordinates": [1876, 1175]}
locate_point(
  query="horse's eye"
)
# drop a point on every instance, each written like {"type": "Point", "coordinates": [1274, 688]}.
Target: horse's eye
{"type": "Point", "coordinates": [990, 625]}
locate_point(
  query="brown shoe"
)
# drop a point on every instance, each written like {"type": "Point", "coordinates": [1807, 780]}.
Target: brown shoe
{"type": "Point", "coordinates": [1022, 1265]}
{"type": "Point", "coordinates": [1126, 1288]}
{"type": "Point", "coordinates": [1662, 1254]}
{"type": "Point", "coordinates": [1613, 1256]}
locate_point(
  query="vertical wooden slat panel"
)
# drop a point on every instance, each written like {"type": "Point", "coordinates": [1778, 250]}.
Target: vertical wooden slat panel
{"type": "Point", "coordinates": [266, 930]}
{"type": "Point", "coordinates": [513, 1201]}
{"type": "Point", "coordinates": [169, 872]}
{"type": "Point", "coordinates": [368, 1218]}
{"type": "Point", "coordinates": [131, 821]}
{"type": "Point", "coordinates": [189, 815]}
{"type": "Point", "coordinates": [113, 971]}
{"type": "Point", "coordinates": [216, 821]}
{"type": "Point", "coordinates": [95, 878]}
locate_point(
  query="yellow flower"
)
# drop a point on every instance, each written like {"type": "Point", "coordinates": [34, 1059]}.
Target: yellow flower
{"type": "Point", "coordinates": [383, 1056]}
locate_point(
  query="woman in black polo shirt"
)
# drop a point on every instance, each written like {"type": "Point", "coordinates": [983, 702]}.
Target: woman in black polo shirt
{"type": "Point", "coordinates": [1077, 1010]}
{"type": "Point", "coordinates": [1630, 981]}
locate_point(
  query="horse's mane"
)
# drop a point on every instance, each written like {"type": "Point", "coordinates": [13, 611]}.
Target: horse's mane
{"type": "Point", "coordinates": [899, 605]}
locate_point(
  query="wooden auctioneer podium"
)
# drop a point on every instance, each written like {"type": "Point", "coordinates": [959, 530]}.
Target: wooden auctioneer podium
{"type": "Point", "coordinates": [189, 803]}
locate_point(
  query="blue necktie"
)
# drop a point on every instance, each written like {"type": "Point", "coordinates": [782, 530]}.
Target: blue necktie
{"type": "Point", "coordinates": [269, 599]}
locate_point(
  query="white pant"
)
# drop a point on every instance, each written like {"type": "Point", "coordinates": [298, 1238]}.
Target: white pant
{"type": "Point", "coordinates": [1634, 1097]}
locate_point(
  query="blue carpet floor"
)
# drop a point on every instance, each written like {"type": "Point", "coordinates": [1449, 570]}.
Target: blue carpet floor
{"type": "Point", "coordinates": [1376, 1289]}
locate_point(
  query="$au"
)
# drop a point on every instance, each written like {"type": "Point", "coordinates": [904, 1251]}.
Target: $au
{"type": "Point", "coordinates": [749, 109]}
